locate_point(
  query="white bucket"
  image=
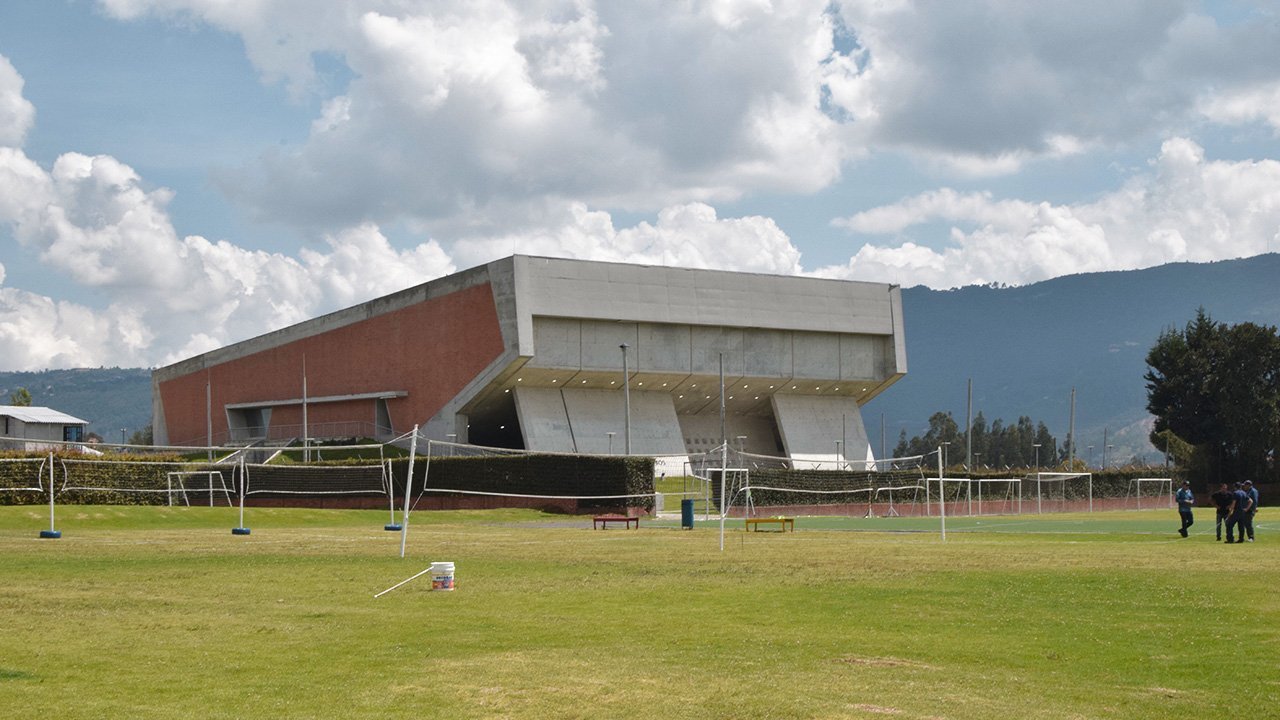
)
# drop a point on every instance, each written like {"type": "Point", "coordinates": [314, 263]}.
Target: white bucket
{"type": "Point", "coordinates": [441, 576]}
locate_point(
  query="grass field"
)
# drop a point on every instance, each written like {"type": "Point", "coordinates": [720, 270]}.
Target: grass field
{"type": "Point", "coordinates": [162, 613]}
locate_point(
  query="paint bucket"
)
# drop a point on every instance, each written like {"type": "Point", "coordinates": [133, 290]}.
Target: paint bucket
{"type": "Point", "coordinates": [441, 576]}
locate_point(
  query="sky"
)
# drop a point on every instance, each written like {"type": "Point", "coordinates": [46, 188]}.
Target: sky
{"type": "Point", "coordinates": [176, 175]}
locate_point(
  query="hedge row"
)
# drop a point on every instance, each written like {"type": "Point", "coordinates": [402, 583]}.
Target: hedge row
{"type": "Point", "coordinates": [560, 475]}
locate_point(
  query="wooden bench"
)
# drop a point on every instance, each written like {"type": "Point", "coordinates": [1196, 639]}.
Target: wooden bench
{"type": "Point", "coordinates": [783, 523]}
{"type": "Point", "coordinates": [602, 521]}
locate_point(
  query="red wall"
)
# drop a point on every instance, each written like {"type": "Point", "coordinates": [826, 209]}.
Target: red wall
{"type": "Point", "coordinates": [430, 350]}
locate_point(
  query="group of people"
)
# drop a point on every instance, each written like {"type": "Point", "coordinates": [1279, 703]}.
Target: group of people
{"type": "Point", "coordinates": [1235, 509]}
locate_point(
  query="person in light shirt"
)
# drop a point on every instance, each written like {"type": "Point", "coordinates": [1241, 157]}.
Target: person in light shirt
{"type": "Point", "coordinates": [1185, 501]}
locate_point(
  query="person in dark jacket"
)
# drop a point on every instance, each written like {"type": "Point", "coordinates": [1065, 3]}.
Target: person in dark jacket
{"type": "Point", "coordinates": [1222, 500]}
{"type": "Point", "coordinates": [1239, 513]}
{"type": "Point", "coordinates": [1252, 491]}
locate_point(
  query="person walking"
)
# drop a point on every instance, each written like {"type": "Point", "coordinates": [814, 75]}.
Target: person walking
{"type": "Point", "coordinates": [1185, 501]}
{"type": "Point", "coordinates": [1252, 491]}
{"type": "Point", "coordinates": [1222, 500]}
{"type": "Point", "coordinates": [1239, 514]}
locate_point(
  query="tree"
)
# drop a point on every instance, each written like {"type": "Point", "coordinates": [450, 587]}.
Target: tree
{"type": "Point", "coordinates": [1216, 388]}
{"type": "Point", "coordinates": [998, 444]}
{"type": "Point", "coordinates": [20, 397]}
{"type": "Point", "coordinates": [142, 437]}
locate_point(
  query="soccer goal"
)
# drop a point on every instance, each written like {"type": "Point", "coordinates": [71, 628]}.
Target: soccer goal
{"type": "Point", "coordinates": [772, 485]}
{"type": "Point", "coordinates": [1149, 493]}
{"type": "Point", "coordinates": [999, 496]}
{"type": "Point", "coordinates": [199, 484]}
{"type": "Point", "coordinates": [1063, 492]}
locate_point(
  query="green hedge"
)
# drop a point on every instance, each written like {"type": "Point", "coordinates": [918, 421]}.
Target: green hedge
{"type": "Point", "coordinates": [563, 475]}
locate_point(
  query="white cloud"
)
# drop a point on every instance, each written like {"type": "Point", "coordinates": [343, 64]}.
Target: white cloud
{"type": "Point", "coordinates": [981, 88]}
{"type": "Point", "coordinates": [685, 235]}
{"type": "Point", "coordinates": [469, 114]}
{"type": "Point", "coordinates": [91, 219]}
{"type": "Point", "coordinates": [16, 112]}
{"type": "Point", "coordinates": [1186, 209]}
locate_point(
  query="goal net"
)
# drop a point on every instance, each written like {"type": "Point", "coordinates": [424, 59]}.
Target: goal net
{"type": "Point", "coordinates": [764, 485]}
{"type": "Point", "coordinates": [1061, 491]}
{"type": "Point", "coordinates": [1149, 493]}
{"type": "Point", "coordinates": [186, 486]}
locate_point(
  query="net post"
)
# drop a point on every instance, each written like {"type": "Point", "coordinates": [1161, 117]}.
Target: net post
{"type": "Point", "coordinates": [244, 490]}
{"type": "Point", "coordinates": [408, 485]}
{"type": "Point", "coordinates": [52, 533]}
{"type": "Point", "coordinates": [391, 526]}
{"type": "Point", "coordinates": [942, 499]}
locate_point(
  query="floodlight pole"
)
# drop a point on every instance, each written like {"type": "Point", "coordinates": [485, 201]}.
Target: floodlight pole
{"type": "Point", "coordinates": [626, 401]}
{"type": "Point", "coordinates": [306, 442]}
{"type": "Point", "coordinates": [724, 456]}
{"type": "Point", "coordinates": [408, 486]}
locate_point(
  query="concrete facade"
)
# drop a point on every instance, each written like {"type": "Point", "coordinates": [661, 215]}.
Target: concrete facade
{"type": "Point", "coordinates": [525, 352]}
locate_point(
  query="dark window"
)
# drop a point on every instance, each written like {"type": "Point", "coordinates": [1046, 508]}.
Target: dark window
{"type": "Point", "coordinates": [72, 433]}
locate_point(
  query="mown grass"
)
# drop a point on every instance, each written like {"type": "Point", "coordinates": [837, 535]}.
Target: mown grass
{"type": "Point", "coordinates": [160, 613]}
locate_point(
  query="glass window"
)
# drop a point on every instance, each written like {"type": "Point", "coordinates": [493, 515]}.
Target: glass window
{"type": "Point", "coordinates": [72, 433]}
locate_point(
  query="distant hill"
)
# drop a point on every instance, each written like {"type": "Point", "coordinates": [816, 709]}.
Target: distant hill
{"type": "Point", "coordinates": [108, 398]}
{"type": "Point", "coordinates": [1026, 347]}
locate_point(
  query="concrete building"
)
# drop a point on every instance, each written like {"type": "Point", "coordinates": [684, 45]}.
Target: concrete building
{"type": "Point", "coordinates": [31, 428]}
{"type": "Point", "coordinates": [527, 352]}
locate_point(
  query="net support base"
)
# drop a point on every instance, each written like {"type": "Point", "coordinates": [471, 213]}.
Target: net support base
{"type": "Point", "coordinates": [392, 527]}
{"type": "Point", "coordinates": [240, 531]}
{"type": "Point", "coordinates": [51, 534]}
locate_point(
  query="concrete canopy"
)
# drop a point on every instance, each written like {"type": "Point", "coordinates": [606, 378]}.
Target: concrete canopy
{"type": "Point", "coordinates": [527, 352]}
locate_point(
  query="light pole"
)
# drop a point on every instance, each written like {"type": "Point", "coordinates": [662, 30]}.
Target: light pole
{"type": "Point", "coordinates": [1037, 447]}
{"type": "Point", "coordinates": [838, 454]}
{"type": "Point", "coordinates": [1104, 455]}
{"type": "Point", "coordinates": [1090, 448]}
{"type": "Point", "coordinates": [611, 434]}
{"type": "Point", "coordinates": [944, 454]}
{"type": "Point", "coordinates": [626, 400]}
{"type": "Point", "coordinates": [977, 460]}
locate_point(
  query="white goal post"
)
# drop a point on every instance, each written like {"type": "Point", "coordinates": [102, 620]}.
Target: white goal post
{"type": "Point", "coordinates": [198, 482]}
{"type": "Point", "coordinates": [1060, 479]}
{"type": "Point", "coordinates": [1163, 491]}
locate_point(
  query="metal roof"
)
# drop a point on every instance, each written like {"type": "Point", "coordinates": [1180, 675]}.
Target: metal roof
{"type": "Point", "coordinates": [40, 415]}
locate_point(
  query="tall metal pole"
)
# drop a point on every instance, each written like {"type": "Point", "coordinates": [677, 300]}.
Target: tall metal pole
{"type": "Point", "coordinates": [942, 500]}
{"type": "Point", "coordinates": [724, 437]}
{"type": "Point", "coordinates": [1071, 435]}
{"type": "Point", "coordinates": [724, 458]}
{"type": "Point", "coordinates": [844, 438]}
{"type": "Point", "coordinates": [306, 442]}
{"type": "Point", "coordinates": [626, 401]}
{"type": "Point", "coordinates": [968, 433]}
{"type": "Point", "coordinates": [208, 416]}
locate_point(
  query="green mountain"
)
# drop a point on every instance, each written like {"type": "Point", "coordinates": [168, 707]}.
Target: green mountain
{"type": "Point", "coordinates": [110, 399]}
{"type": "Point", "coordinates": [1025, 348]}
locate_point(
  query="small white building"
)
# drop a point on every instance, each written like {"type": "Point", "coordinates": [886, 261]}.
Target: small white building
{"type": "Point", "coordinates": [29, 428]}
